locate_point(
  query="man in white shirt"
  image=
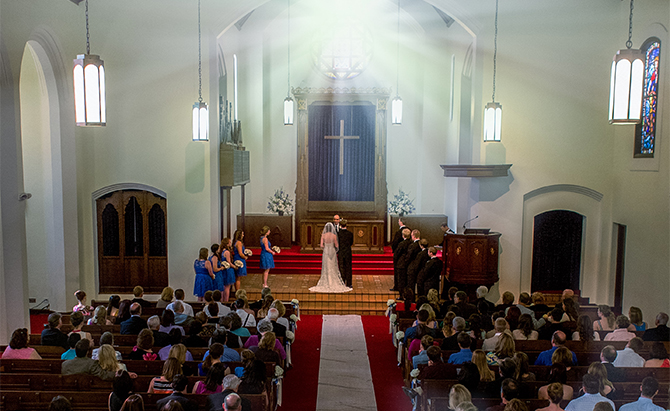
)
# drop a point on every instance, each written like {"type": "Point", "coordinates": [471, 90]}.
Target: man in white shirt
{"type": "Point", "coordinates": [629, 357]}
{"type": "Point", "coordinates": [621, 333]}
{"type": "Point", "coordinates": [591, 386]}
{"type": "Point", "coordinates": [179, 296]}
{"type": "Point", "coordinates": [648, 390]}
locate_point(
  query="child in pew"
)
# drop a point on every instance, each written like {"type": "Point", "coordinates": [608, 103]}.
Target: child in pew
{"type": "Point", "coordinates": [72, 340]}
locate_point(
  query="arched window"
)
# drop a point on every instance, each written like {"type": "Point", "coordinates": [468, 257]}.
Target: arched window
{"type": "Point", "coordinates": [132, 241]}
{"type": "Point", "coordinates": [645, 133]}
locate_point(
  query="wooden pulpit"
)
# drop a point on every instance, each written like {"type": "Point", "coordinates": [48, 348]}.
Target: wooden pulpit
{"type": "Point", "coordinates": [471, 258]}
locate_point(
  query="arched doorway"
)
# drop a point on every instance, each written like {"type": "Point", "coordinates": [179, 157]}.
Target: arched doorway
{"type": "Point", "coordinates": [557, 250]}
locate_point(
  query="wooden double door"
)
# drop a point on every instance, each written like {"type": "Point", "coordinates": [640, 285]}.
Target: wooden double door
{"type": "Point", "coordinates": [132, 241]}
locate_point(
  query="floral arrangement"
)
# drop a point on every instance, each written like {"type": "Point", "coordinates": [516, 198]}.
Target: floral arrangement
{"type": "Point", "coordinates": [401, 204]}
{"type": "Point", "coordinates": [238, 263]}
{"type": "Point", "coordinates": [248, 252]}
{"type": "Point", "coordinates": [279, 371]}
{"type": "Point", "coordinates": [295, 301]}
{"type": "Point", "coordinates": [399, 335]}
{"type": "Point", "coordinates": [393, 319]}
{"type": "Point", "coordinates": [225, 264]}
{"type": "Point", "coordinates": [414, 373]}
{"type": "Point", "coordinates": [280, 203]}
{"type": "Point", "coordinates": [276, 249]}
{"type": "Point", "coordinates": [293, 318]}
{"type": "Point", "coordinates": [390, 303]}
{"type": "Point", "coordinates": [290, 335]}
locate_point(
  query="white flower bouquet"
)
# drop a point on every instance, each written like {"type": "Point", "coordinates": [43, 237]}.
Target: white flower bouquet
{"type": "Point", "coordinates": [225, 264]}
{"type": "Point", "coordinates": [248, 252]}
{"type": "Point", "coordinates": [290, 335]}
{"type": "Point", "coordinates": [276, 249]}
{"type": "Point", "coordinates": [401, 204]}
{"type": "Point", "coordinates": [293, 318]}
{"type": "Point", "coordinates": [393, 318]}
{"type": "Point", "coordinates": [414, 373]}
{"type": "Point", "coordinates": [390, 303]}
{"type": "Point", "coordinates": [279, 371]}
{"type": "Point", "coordinates": [238, 263]}
{"type": "Point", "coordinates": [280, 203]}
{"type": "Point", "coordinates": [399, 335]}
{"type": "Point", "coordinates": [295, 301]}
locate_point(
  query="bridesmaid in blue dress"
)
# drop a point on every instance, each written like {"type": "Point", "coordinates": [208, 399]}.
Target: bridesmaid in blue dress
{"type": "Point", "coordinates": [267, 261]}
{"type": "Point", "coordinates": [228, 273]}
{"type": "Point", "coordinates": [217, 269]}
{"type": "Point", "coordinates": [203, 275]}
{"type": "Point", "coordinates": [238, 255]}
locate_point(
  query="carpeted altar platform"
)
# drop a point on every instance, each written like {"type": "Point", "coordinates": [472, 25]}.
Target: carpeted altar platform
{"type": "Point", "coordinates": [368, 297]}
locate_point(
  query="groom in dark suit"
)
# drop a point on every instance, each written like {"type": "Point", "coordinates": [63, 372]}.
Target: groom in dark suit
{"type": "Point", "coordinates": [345, 238]}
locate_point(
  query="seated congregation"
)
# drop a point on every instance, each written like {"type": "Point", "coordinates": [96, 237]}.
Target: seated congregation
{"type": "Point", "coordinates": [523, 354]}
{"type": "Point", "coordinates": [142, 355]}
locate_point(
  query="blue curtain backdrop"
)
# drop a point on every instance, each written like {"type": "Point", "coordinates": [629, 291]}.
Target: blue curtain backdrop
{"type": "Point", "coordinates": [358, 181]}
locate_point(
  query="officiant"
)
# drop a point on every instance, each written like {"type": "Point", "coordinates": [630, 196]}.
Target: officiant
{"type": "Point", "coordinates": [345, 239]}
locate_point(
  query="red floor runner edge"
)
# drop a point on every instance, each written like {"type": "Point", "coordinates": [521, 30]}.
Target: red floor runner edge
{"type": "Point", "coordinates": [302, 381]}
{"type": "Point", "coordinates": [386, 376]}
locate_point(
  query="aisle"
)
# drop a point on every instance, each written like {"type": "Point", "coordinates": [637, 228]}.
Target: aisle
{"type": "Point", "coordinates": [345, 380]}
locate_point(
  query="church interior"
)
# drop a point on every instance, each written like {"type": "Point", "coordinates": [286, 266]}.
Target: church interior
{"type": "Point", "coordinates": [546, 62]}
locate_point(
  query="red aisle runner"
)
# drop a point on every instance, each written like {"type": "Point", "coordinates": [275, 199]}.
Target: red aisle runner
{"type": "Point", "coordinates": [302, 381]}
{"type": "Point", "coordinates": [386, 375]}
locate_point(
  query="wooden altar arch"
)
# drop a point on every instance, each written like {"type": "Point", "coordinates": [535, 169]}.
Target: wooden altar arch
{"type": "Point", "coordinates": [366, 218]}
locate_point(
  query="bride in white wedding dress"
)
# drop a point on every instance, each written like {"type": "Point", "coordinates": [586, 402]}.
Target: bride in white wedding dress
{"type": "Point", "coordinates": [331, 280]}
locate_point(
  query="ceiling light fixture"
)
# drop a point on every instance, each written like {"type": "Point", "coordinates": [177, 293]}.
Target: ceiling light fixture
{"type": "Point", "coordinates": [90, 109]}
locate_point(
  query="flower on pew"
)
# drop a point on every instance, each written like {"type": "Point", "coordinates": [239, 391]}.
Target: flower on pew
{"type": "Point", "coordinates": [248, 252]}
{"type": "Point", "coordinates": [225, 264]}
{"type": "Point", "coordinates": [295, 301]}
{"type": "Point", "coordinates": [414, 373]}
{"type": "Point", "coordinates": [276, 249]}
{"type": "Point", "coordinates": [393, 319]}
{"type": "Point", "coordinates": [390, 303]}
{"type": "Point", "coordinates": [150, 356]}
{"type": "Point", "coordinates": [238, 263]}
{"type": "Point", "coordinates": [290, 335]}
{"type": "Point", "coordinates": [279, 371]}
{"type": "Point", "coordinates": [399, 335]}
{"type": "Point", "coordinates": [293, 318]}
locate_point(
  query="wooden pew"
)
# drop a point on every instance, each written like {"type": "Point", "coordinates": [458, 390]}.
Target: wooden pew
{"type": "Point", "coordinates": [97, 401]}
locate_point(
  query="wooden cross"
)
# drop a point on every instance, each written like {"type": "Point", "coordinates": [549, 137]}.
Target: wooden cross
{"type": "Point", "coordinates": [341, 137]}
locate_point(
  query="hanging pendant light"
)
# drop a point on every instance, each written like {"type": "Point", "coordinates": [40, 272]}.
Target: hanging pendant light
{"type": "Point", "coordinates": [89, 87]}
{"type": "Point", "coordinates": [493, 110]}
{"type": "Point", "coordinates": [200, 110]}
{"type": "Point", "coordinates": [626, 81]}
{"type": "Point", "coordinates": [288, 101]}
{"type": "Point", "coordinates": [396, 103]}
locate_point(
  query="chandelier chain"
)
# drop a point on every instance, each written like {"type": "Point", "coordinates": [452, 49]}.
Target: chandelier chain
{"type": "Point", "coordinates": [199, 57]}
{"type": "Point", "coordinates": [629, 43]}
{"type": "Point", "coordinates": [397, 55]}
{"type": "Point", "coordinates": [495, 54]}
{"type": "Point", "coordinates": [288, 52]}
{"type": "Point", "coordinates": [88, 37]}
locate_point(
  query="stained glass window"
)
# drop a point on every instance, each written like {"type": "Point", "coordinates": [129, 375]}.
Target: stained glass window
{"type": "Point", "coordinates": [342, 53]}
{"type": "Point", "coordinates": [645, 133]}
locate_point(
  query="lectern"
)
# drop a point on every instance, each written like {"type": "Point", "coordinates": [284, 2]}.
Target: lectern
{"type": "Point", "coordinates": [471, 258]}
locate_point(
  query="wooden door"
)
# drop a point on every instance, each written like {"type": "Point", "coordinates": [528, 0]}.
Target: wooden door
{"type": "Point", "coordinates": [132, 241]}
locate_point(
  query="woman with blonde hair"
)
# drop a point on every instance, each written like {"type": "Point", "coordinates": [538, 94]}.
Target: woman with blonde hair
{"type": "Point", "coordinates": [178, 351]}
{"type": "Point", "coordinates": [99, 316]}
{"type": "Point", "coordinates": [504, 348]}
{"type": "Point", "coordinates": [431, 322]}
{"type": "Point", "coordinates": [606, 319]}
{"type": "Point", "coordinates": [555, 394]}
{"type": "Point", "coordinates": [281, 309]}
{"type": "Point", "coordinates": [266, 349]}
{"type": "Point", "coordinates": [267, 303]}
{"type": "Point", "coordinates": [447, 329]}
{"type": "Point", "coordinates": [166, 297]}
{"type": "Point", "coordinates": [457, 395]}
{"type": "Point", "coordinates": [163, 384]}
{"type": "Point", "coordinates": [562, 356]}
{"type": "Point", "coordinates": [599, 370]}
{"type": "Point", "coordinates": [485, 373]}
{"type": "Point", "coordinates": [107, 359]}
{"type": "Point", "coordinates": [635, 315]}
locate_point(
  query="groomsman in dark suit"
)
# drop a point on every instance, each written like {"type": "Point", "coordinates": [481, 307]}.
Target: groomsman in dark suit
{"type": "Point", "coordinates": [345, 238]}
{"type": "Point", "coordinates": [398, 254]}
{"type": "Point", "coordinates": [397, 237]}
{"type": "Point", "coordinates": [429, 277]}
{"type": "Point", "coordinates": [409, 256]}
{"type": "Point", "coordinates": [336, 223]}
{"type": "Point", "coordinates": [417, 264]}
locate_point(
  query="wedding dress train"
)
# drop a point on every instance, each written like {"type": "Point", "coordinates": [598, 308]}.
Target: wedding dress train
{"type": "Point", "coordinates": [331, 280]}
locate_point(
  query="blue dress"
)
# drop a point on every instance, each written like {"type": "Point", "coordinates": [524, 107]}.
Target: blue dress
{"type": "Point", "coordinates": [203, 282]}
{"type": "Point", "coordinates": [267, 261]}
{"type": "Point", "coordinates": [228, 274]}
{"type": "Point", "coordinates": [219, 276]}
{"type": "Point", "coordinates": [242, 271]}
